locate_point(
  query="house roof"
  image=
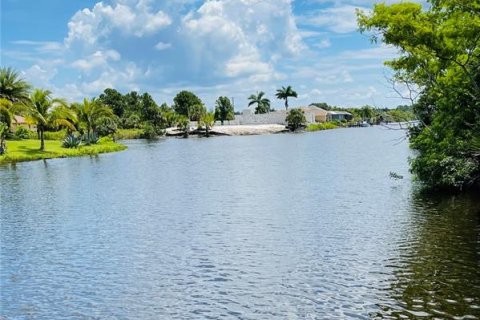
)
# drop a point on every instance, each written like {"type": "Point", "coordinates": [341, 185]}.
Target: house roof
{"type": "Point", "coordinates": [314, 109]}
{"type": "Point", "coordinates": [345, 113]}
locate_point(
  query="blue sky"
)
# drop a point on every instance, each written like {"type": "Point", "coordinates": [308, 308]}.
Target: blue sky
{"type": "Point", "coordinates": [77, 48]}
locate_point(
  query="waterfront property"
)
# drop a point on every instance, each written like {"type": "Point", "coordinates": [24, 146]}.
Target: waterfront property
{"type": "Point", "coordinates": [339, 116]}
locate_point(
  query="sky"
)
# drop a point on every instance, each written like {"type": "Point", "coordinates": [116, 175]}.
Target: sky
{"type": "Point", "coordinates": [233, 48]}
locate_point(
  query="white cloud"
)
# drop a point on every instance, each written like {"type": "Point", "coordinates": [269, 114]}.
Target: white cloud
{"type": "Point", "coordinates": [89, 26]}
{"type": "Point", "coordinates": [162, 46]}
{"type": "Point", "coordinates": [340, 19]}
{"type": "Point", "coordinates": [97, 59]}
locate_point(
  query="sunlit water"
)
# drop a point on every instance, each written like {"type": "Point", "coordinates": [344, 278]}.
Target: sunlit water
{"type": "Point", "coordinates": [297, 226]}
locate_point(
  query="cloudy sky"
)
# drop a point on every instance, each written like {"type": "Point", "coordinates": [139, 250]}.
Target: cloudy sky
{"type": "Point", "coordinates": [77, 48]}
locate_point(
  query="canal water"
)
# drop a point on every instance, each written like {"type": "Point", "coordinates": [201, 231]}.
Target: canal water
{"type": "Point", "coordinates": [290, 226]}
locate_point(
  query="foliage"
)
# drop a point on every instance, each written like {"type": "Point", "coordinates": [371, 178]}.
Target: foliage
{"type": "Point", "coordinates": [114, 100]}
{"type": "Point", "coordinates": [321, 126]}
{"type": "Point", "coordinates": [47, 112]}
{"type": "Point", "coordinates": [6, 114]}
{"type": "Point", "coordinates": [183, 124]}
{"type": "Point", "coordinates": [55, 135]}
{"type": "Point", "coordinates": [27, 150]}
{"type": "Point", "coordinates": [22, 133]}
{"type": "Point", "coordinates": [224, 109]}
{"type": "Point", "coordinates": [296, 119]}
{"type": "Point", "coordinates": [440, 55]}
{"type": "Point", "coordinates": [196, 112]}
{"type": "Point", "coordinates": [263, 104]}
{"type": "Point", "coordinates": [106, 127]}
{"type": "Point", "coordinates": [208, 121]}
{"type": "Point", "coordinates": [183, 102]}
{"type": "Point", "coordinates": [150, 131]}
{"type": "Point", "coordinates": [366, 112]}
{"type": "Point", "coordinates": [3, 136]}
{"type": "Point", "coordinates": [71, 141]}
{"type": "Point", "coordinates": [90, 115]}
{"type": "Point", "coordinates": [169, 116]}
{"type": "Point", "coordinates": [284, 93]}
{"type": "Point", "coordinates": [12, 87]}
{"type": "Point", "coordinates": [90, 138]}
{"type": "Point", "coordinates": [124, 134]}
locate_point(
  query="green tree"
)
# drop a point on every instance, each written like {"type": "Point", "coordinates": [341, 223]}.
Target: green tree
{"type": "Point", "coordinates": [183, 102]}
{"type": "Point", "coordinates": [114, 100]}
{"type": "Point", "coordinates": [284, 93]}
{"type": "Point", "coordinates": [208, 121]}
{"type": "Point", "coordinates": [47, 112]}
{"type": "Point", "coordinates": [440, 54]}
{"type": "Point", "coordinates": [196, 112]}
{"type": "Point", "coordinates": [263, 104]}
{"type": "Point", "coordinates": [3, 135]}
{"type": "Point", "coordinates": [295, 119]}
{"type": "Point", "coordinates": [90, 114]}
{"type": "Point", "coordinates": [6, 114]}
{"type": "Point", "coordinates": [12, 87]}
{"type": "Point", "coordinates": [169, 115]}
{"type": "Point", "coordinates": [366, 112]}
{"type": "Point", "coordinates": [183, 123]}
{"type": "Point", "coordinates": [224, 109]}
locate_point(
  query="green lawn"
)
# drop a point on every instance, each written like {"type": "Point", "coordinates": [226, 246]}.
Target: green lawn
{"type": "Point", "coordinates": [28, 150]}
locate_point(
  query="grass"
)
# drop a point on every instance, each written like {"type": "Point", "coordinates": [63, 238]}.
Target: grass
{"type": "Point", "coordinates": [28, 150]}
{"type": "Point", "coordinates": [321, 126]}
{"type": "Point", "coordinates": [123, 134]}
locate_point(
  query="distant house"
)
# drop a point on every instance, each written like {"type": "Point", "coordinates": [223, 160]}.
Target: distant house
{"type": "Point", "coordinates": [19, 121]}
{"type": "Point", "coordinates": [314, 114]}
{"type": "Point", "coordinates": [339, 116]}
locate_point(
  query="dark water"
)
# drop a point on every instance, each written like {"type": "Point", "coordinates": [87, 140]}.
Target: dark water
{"type": "Point", "coordinates": [306, 226]}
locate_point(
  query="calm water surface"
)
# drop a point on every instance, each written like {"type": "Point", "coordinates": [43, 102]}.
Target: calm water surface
{"type": "Point", "coordinates": [302, 226]}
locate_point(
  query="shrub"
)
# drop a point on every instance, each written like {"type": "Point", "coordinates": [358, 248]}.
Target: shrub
{"type": "Point", "coordinates": [55, 135]}
{"type": "Point", "coordinates": [90, 138]}
{"type": "Point", "coordinates": [71, 141]}
{"type": "Point", "coordinates": [24, 133]}
{"type": "Point", "coordinates": [321, 126]}
{"type": "Point", "coordinates": [295, 119]}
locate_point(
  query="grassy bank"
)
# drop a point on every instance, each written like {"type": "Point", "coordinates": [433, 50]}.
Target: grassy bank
{"type": "Point", "coordinates": [28, 150]}
{"type": "Point", "coordinates": [123, 134]}
{"type": "Point", "coordinates": [321, 126]}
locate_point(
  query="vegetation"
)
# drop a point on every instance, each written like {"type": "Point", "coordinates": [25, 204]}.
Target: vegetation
{"type": "Point", "coordinates": [184, 101]}
{"type": "Point", "coordinates": [321, 126]}
{"type": "Point", "coordinates": [208, 121]}
{"type": "Point", "coordinates": [46, 112]}
{"type": "Point", "coordinates": [296, 119]}
{"type": "Point", "coordinates": [284, 93]}
{"type": "Point", "coordinates": [440, 55]}
{"type": "Point", "coordinates": [224, 109]}
{"type": "Point", "coordinates": [27, 150]}
{"type": "Point", "coordinates": [12, 87]}
{"type": "Point", "coordinates": [263, 104]}
{"type": "Point", "coordinates": [90, 115]}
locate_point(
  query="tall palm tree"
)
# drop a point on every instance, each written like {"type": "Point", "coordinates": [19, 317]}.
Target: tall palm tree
{"type": "Point", "coordinates": [12, 87]}
{"type": "Point", "coordinates": [90, 113]}
{"type": "Point", "coordinates": [6, 112]}
{"type": "Point", "coordinates": [46, 111]}
{"type": "Point", "coordinates": [284, 93]}
{"type": "Point", "coordinates": [263, 104]}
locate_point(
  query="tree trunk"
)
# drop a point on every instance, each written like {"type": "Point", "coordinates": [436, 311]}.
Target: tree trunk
{"type": "Point", "coordinates": [206, 131]}
{"type": "Point", "coordinates": [286, 104]}
{"type": "Point", "coordinates": [42, 141]}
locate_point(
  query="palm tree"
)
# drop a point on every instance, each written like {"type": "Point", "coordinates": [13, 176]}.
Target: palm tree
{"type": "Point", "coordinates": [208, 120]}
{"type": "Point", "coordinates": [6, 114]}
{"type": "Point", "coordinates": [90, 113]}
{"type": "Point", "coordinates": [46, 111]}
{"type": "Point", "coordinates": [12, 87]}
{"type": "Point", "coordinates": [3, 136]}
{"type": "Point", "coordinates": [263, 104]}
{"type": "Point", "coordinates": [284, 93]}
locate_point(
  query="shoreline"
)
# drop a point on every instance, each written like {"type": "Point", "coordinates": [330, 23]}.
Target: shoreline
{"type": "Point", "coordinates": [28, 150]}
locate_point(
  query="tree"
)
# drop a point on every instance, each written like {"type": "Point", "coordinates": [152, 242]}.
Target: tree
{"type": "Point", "coordinates": [224, 109]}
{"type": "Point", "coordinates": [196, 112]}
{"type": "Point", "coordinates": [12, 87]}
{"type": "Point", "coordinates": [208, 121]}
{"type": "Point", "coordinates": [263, 104]}
{"type": "Point", "coordinates": [183, 123]}
{"type": "Point", "coordinates": [295, 119]}
{"type": "Point", "coordinates": [47, 112]}
{"type": "Point", "coordinates": [439, 55]}
{"type": "Point", "coordinates": [3, 136]}
{"type": "Point", "coordinates": [366, 112]}
{"type": "Point", "coordinates": [284, 93]}
{"type": "Point", "coordinates": [91, 113]}
{"type": "Point", "coordinates": [6, 115]}
{"type": "Point", "coordinates": [183, 102]}
{"type": "Point", "coordinates": [114, 100]}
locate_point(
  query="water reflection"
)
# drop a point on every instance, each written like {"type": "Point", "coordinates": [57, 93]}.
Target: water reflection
{"type": "Point", "coordinates": [437, 270]}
